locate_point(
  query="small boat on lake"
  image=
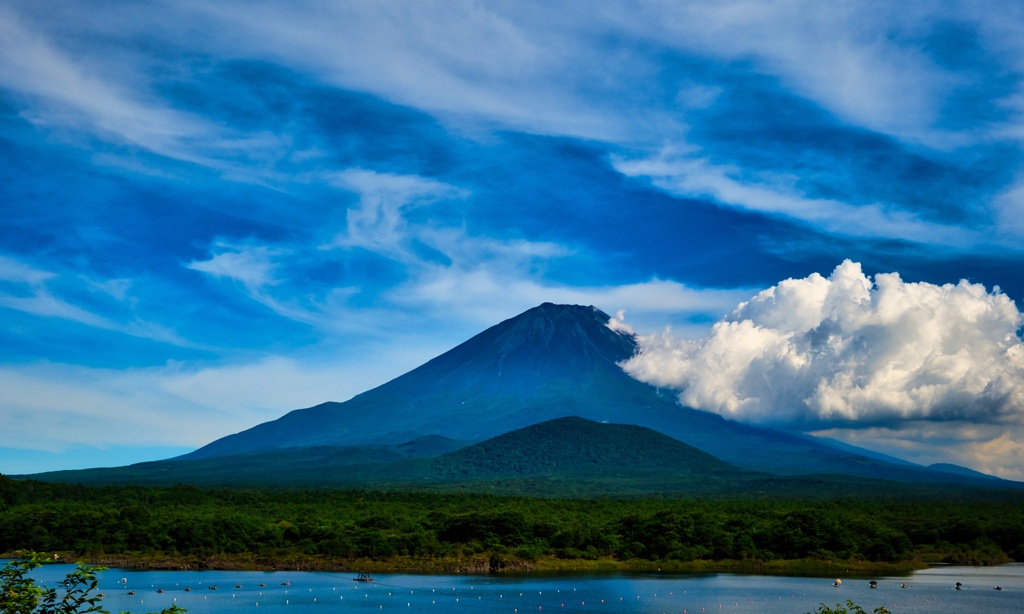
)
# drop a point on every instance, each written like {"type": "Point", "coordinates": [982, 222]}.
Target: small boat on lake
{"type": "Point", "coordinates": [362, 577]}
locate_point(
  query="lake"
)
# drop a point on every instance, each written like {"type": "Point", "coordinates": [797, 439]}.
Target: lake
{"type": "Point", "coordinates": [929, 591]}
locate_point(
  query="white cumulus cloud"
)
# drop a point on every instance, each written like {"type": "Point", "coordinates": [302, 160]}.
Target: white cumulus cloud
{"type": "Point", "coordinates": [848, 350]}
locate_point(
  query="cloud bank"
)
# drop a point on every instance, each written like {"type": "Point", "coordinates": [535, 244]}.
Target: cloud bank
{"type": "Point", "coordinates": [931, 374]}
{"type": "Point", "coordinates": [849, 352]}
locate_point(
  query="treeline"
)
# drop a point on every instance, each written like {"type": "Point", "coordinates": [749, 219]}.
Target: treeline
{"type": "Point", "coordinates": [188, 521]}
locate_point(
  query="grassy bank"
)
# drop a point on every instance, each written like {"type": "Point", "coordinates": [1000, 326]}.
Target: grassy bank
{"type": "Point", "coordinates": [480, 564]}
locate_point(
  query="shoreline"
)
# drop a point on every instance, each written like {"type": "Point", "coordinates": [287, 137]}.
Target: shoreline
{"type": "Point", "coordinates": [483, 564]}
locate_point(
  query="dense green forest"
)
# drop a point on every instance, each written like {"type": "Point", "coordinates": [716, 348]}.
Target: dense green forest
{"type": "Point", "coordinates": [329, 527]}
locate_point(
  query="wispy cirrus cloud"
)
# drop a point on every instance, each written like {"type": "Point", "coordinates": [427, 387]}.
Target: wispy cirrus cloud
{"type": "Point", "coordinates": [444, 269]}
{"type": "Point", "coordinates": [71, 94]}
{"type": "Point", "coordinates": [256, 268]}
{"type": "Point", "coordinates": [377, 223]}
{"type": "Point", "coordinates": [696, 178]}
{"type": "Point", "coordinates": [29, 291]}
{"type": "Point", "coordinates": [872, 70]}
{"type": "Point", "coordinates": [251, 266]}
{"type": "Point", "coordinates": [114, 104]}
{"type": "Point", "coordinates": [457, 60]}
{"type": "Point", "coordinates": [1009, 212]}
{"type": "Point", "coordinates": [16, 271]}
{"type": "Point", "coordinates": [867, 64]}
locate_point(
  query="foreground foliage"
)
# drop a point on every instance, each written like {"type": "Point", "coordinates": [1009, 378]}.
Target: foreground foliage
{"type": "Point", "coordinates": [20, 594]}
{"type": "Point", "coordinates": [283, 525]}
{"type": "Point", "coordinates": [850, 608]}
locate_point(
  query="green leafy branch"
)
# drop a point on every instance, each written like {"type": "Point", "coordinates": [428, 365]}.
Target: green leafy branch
{"type": "Point", "coordinates": [20, 594]}
{"type": "Point", "coordinates": [851, 608]}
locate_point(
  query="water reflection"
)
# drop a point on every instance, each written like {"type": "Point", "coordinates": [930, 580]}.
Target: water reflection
{"type": "Point", "coordinates": [201, 592]}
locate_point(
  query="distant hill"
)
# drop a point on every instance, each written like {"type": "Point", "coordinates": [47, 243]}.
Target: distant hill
{"type": "Point", "coordinates": [577, 446]}
{"type": "Point", "coordinates": [552, 361]}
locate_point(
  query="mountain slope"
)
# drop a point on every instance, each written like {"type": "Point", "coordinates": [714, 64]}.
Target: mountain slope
{"type": "Point", "coordinates": [552, 361]}
{"type": "Point", "coordinates": [963, 471]}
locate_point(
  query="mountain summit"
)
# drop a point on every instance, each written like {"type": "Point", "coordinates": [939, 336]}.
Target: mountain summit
{"type": "Point", "coordinates": [522, 356]}
{"type": "Point", "coordinates": [550, 362]}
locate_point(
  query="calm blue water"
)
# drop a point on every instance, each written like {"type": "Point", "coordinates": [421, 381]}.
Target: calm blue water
{"type": "Point", "coordinates": [929, 591]}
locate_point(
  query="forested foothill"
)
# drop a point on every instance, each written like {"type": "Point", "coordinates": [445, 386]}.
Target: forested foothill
{"type": "Point", "coordinates": [186, 526]}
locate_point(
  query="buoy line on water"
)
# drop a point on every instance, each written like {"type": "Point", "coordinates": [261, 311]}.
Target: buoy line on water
{"type": "Point", "coordinates": [454, 594]}
{"type": "Point", "coordinates": [559, 605]}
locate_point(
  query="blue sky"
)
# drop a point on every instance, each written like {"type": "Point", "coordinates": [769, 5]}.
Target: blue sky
{"type": "Point", "coordinates": [214, 213]}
